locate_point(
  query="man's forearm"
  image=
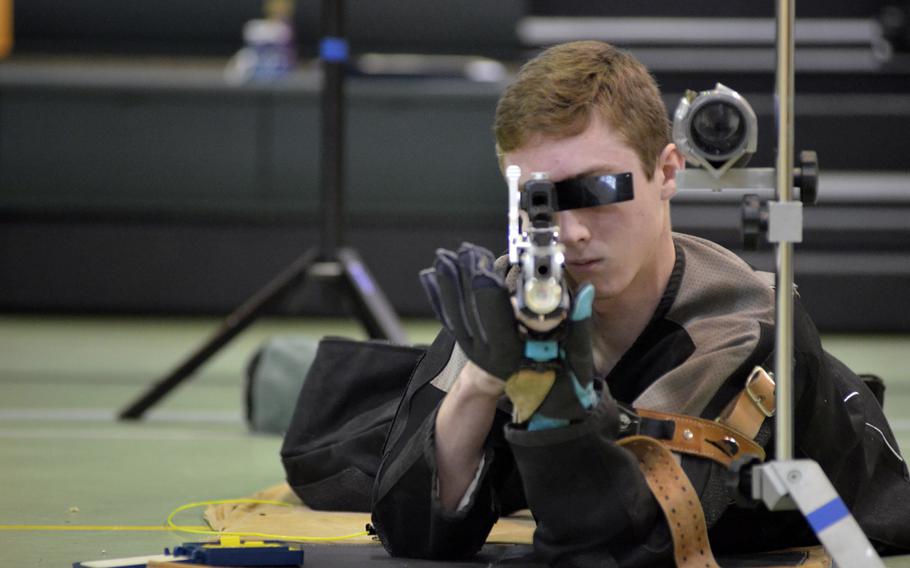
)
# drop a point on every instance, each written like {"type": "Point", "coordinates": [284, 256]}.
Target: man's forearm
{"type": "Point", "coordinates": [462, 424]}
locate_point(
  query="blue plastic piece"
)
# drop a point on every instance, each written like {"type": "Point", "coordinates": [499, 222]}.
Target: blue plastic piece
{"type": "Point", "coordinates": [584, 302]}
{"type": "Point", "coordinates": [828, 514]}
{"type": "Point", "coordinates": [333, 49]}
{"type": "Point", "coordinates": [241, 556]}
{"type": "Point", "coordinates": [541, 350]}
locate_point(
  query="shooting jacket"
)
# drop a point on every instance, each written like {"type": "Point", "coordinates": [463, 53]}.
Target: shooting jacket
{"type": "Point", "coordinates": [714, 324]}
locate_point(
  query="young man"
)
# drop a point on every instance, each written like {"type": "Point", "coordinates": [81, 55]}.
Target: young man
{"type": "Point", "coordinates": [659, 321]}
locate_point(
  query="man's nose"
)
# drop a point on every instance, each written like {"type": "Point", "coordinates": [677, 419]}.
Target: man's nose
{"type": "Point", "coordinates": [572, 229]}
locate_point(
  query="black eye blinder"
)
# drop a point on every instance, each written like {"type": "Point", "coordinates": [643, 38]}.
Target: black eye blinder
{"type": "Point", "coordinates": [592, 191]}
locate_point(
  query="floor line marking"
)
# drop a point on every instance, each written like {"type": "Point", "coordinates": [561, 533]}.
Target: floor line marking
{"type": "Point", "coordinates": [130, 434]}
{"type": "Point", "coordinates": [137, 528]}
{"type": "Point", "coordinates": [109, 415]}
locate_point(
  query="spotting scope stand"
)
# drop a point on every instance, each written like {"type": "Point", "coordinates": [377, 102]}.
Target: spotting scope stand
{"type": "Point", "coordinates": [331, 263]}
{"type": "Point", "coordinates": [786, 483]}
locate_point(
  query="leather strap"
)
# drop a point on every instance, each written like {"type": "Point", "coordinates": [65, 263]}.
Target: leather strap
{"type": "Point", "coordinates": [682, 508]}
{"type": "Point", "coordinates": [731, 435]}
{"type": "Point", "coordinates": [752, 406]}
{"type": "Point", "coordinates": [723, 440]}
{"type": "Point", "coordinates": [678, 500]}
{"type": "Point", "coordinates": [705, 438]}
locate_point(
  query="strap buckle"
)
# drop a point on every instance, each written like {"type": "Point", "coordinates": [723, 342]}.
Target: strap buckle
{"type": "Point", "coordinates": [652, 424]}
{"type": "Point", "coordinates": [629, 420]}
{"type": "Point", "coordinates": [759, 375]}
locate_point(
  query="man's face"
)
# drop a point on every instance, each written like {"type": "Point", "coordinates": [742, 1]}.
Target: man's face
{"type": "Point", "coordinates": [614, 247]}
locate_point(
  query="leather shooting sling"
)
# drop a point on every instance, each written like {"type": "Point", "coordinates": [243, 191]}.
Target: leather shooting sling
{"type": "Point", "coordinates": [724, 440]}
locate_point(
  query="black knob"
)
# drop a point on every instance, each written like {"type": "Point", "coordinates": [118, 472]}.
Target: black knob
{"type": "Point", "coordinates": [805, 177]}
{"type": "Point", "coordinates": [738, 480]}
{"type": "Point", "coordinates": [754, 221]}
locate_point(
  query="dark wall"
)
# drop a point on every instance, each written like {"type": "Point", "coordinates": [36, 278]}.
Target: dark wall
{"type": "Point", "coordinates": [214, 26]}
{"type": "Point", "coordinates": [150, 186]}
{"type": "Point", "coordinates": [176, 195]}
{"type": "Point", "coordinates": [712, 8]}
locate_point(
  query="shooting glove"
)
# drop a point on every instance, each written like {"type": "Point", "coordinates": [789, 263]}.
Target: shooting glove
{"type": "Point", "coordinates": [472, 302]}
{"type": "Point", "coordinates": [570, 374]}
{"type": "Point", "coordinates": [550, 383]}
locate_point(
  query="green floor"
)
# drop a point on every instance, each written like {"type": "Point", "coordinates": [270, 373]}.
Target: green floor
{"type": "Point", "coordinates": [65, 461]}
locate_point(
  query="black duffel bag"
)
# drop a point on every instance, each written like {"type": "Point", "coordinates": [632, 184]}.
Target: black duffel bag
{"type": "Point", "coordinates": [333, 446]}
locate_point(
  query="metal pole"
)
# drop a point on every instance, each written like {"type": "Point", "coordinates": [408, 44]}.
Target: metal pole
{"type": "Point", "coordinates": [334, 53]}
{"type": "Point", "coordinates": [783, 358]}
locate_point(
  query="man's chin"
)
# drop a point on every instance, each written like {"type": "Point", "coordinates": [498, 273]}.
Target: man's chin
{"type": "Point", "coordinates": [577, 279]}
{"type": "Point", "coordinates": [605, 289]}
{"type": "Point", "coordinates": [605, 295]}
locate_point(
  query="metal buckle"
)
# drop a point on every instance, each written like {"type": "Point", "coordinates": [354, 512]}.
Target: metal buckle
{"type": "Point", "coordinates": [759, 374]}
{"type": "Point", "coordinates": [629, 421]}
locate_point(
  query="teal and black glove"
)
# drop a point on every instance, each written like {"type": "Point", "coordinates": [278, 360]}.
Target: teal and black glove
{"type": "Point", "coordinates": [557, 391]}
{"type": "Point", "coordinates": [549, 380]}
{"type": "Point", "coordinates": [472, 302]}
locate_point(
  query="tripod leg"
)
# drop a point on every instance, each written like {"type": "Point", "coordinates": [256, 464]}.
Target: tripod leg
{"type": "Point", "coordinates": [373, 309]}
{"type": "Point", "coordinates": [232, 325]}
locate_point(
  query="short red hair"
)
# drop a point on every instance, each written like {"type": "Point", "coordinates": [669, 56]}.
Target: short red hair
{"type": "Point", "coordinates": [557, 93]}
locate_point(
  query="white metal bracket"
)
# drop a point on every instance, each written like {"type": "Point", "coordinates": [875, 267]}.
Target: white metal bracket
{"type": "Point", "coordinates": [802, 484]}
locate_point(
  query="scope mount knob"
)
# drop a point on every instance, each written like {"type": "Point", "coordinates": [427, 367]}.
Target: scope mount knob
{"type": "Point", "coordinates": [805, 177]}
{"type": "Point", "coordinates": [754, 221]}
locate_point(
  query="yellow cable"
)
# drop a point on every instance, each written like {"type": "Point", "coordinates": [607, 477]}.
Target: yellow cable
{"type": "Point", "coordinates": [289, 538]}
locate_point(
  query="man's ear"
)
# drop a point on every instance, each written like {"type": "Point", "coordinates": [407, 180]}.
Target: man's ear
{"type": "Point", "coordinates": [670, 161]}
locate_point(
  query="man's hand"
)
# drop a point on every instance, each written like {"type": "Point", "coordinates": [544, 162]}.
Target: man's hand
{"type": "Point", "coordinates": [472, 302]}
{"type": "Point", "coordinates": [571, 375]}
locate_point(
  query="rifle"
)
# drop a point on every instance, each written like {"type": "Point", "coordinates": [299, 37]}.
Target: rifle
{"type": "Point", "coordinates": [541, 298]}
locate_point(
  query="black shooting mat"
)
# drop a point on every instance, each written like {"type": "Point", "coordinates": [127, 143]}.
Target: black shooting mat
{"type": "Point", "coordinates": [353, 556]}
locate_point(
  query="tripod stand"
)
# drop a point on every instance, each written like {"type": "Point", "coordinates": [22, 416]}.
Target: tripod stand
{"type": "Point", "coordinates": [330, 262]}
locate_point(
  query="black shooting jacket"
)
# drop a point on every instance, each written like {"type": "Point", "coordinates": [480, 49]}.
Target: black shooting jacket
{"type": "Point", "coordinates": [592, 505]}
